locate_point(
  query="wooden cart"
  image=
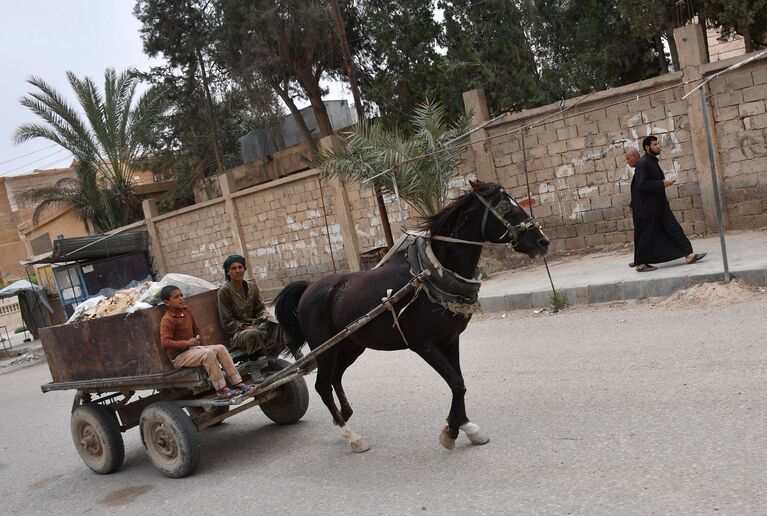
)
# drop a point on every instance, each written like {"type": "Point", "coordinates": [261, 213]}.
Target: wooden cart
{"type": "Point", "coordinates": [123, 378]}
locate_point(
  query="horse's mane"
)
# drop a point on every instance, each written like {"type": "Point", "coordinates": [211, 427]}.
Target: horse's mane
{"type": "Point", "coordinates": [443, 222]}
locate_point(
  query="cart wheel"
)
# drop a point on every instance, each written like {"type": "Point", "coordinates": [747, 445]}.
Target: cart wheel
{"type": "Point", "coordinates": [199, 414]}
{"type": "Point", "coordinates": [170, 439]}
{"type": "Point", "coordinates": [97, 438]}
{"type": "Point", "coordinates": [291, 403]}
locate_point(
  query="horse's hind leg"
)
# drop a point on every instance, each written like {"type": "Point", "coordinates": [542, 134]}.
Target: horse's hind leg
{"type": "Point", "coordinates": [346, 357]}
{"type": "Point", "coordinates": [458, 406]}
{"type": "Point", "coordinates": [326, 365]}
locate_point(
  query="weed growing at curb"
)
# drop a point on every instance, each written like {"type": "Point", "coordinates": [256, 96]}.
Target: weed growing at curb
{"type": "Point", "coordinates": [557, 302]}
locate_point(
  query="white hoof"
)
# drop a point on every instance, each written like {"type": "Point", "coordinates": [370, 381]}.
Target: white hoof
{"type": "Point", "coordinates": [360, 445]}
{"type": "Point", "coordinates": [356, 441]}
{"type": "Point", "coordinates": [445, 439]}
{"type": "Point", "coordinates": [474, 434]}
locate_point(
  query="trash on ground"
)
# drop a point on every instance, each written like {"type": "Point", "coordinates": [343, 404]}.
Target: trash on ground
{"type": "Point", "coordinates": [24, 359]}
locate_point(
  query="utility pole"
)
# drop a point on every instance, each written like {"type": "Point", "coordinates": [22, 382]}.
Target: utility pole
{"type": "Point", "coordinates": [360, 113]}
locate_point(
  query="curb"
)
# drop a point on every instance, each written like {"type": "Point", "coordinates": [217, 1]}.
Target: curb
{"type": "Point", "coordinates": [621, 291]}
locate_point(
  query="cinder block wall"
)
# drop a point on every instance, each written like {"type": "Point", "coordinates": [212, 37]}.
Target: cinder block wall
{"type": "Point", "coordinates": [739, 101]}
{"type": "Point", "coordinates": [285, 234]}
{"type": "Point", "coordinates": [578, 178]}
{"type": "Point", "coordinates": [196, 240]}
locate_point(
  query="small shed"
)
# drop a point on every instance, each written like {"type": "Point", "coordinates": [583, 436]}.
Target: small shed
{"type": "Point", "coordinates": [84, 267]}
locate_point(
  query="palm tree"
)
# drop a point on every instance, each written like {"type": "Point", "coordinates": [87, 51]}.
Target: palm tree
{"type": "Point", "coordinates": [374, 155]}
{"type": "Point", "coordinates": [105, 144]}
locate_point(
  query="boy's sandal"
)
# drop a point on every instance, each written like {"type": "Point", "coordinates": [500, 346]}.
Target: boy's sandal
{"type": "Point", "coordinates": [698, 257]}
{"type": "Point", "coordinates": [646, 268]}
{"type": "Point", "coordinates": [226, 393]}
{"type": "Point", "coordinates": [244, 388]}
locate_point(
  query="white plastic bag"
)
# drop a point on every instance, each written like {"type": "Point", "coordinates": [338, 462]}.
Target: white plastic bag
{"type": "Point", "coordinates": [189, 286]}
{"type": "Point", "coordinates": [85, 305]}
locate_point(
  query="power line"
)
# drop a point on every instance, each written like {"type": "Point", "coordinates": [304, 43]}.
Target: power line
{"type": "Point", "coordinates": [29, 153]}
{"type": "Point", "coordinates": [42, 167]}
{"type": "Point", "coordinates": [25, 165]}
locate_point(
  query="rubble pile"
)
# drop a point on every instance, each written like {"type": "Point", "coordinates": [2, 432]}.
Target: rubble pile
{"type": "Point", "coordinates": [142, 296]}
{"type": "Point", "coordinates": [101, 306]}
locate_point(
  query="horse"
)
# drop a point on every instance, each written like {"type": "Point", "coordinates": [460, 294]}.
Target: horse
{"type": "Point", "coordinates": [429, 322]}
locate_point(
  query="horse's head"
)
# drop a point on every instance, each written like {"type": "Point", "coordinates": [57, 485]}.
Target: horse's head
{"type": "Point", "coordinates": [505, 221]}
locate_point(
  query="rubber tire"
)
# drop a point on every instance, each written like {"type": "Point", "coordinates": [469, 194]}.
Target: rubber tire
{"type": "Point", "coordinates": [104, 424]}
{"type": "Point", "coordinates": [198, 414]}
{"type": "Point", "coordinates": [178, 426]}
{"type": "Point", "coordinates": [291, 403]}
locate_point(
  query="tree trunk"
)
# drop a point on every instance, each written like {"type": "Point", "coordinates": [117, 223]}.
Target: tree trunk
{"type": "Point", "coordinates": [313, 91]}
{"type": "Point", "coordinates": [747, 39]}
{"type": "Point", "coordinates": [211, 114]}
{"type": "Point", "coordinates": [283, 93]}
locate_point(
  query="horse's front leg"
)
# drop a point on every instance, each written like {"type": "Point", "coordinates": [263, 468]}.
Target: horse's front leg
{"type": "Point", "coordinates": [472, 430]}
{"type": "Point", "coordinates": [437, 359]}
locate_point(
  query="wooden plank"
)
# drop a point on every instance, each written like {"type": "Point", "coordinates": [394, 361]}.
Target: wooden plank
{"type": "Point", "coordinates": [185, 377]}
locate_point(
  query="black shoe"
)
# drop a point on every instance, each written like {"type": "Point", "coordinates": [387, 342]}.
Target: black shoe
{"type": "Point", "coordinates": [632, 264]}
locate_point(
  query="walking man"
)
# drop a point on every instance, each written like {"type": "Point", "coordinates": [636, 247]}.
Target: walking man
{"type": "Point", "coordinates": [658, 237]}
{"type": "Point", "coordinates": [632, 158]}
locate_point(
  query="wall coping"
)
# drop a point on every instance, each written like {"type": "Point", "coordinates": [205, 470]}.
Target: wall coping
{"type": "Point", "coordinates": [716, 66]}
{"type": "Point", "coordinates": [277, 182]}
{"type": "Point", "coordinates": [188, 209]}
{"type": "Point", "coordinates": [589, 98]}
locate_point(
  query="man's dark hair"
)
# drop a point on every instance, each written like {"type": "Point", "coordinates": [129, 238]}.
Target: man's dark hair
{"type": "Point", "coordinates": [647, 141]}
{"type": "Point", "coordinates": [168, 291]}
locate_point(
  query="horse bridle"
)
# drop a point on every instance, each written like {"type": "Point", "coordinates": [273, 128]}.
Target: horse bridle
{"type": "Point", "coordinates": [503, 207]}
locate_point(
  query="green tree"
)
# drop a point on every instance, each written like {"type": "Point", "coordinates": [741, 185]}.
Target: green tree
{"type": "Point", "coordinates": [104, 138]}
{"type": "Point", "coordinates": [586, 45]}
{"type": "Point", "coordinates": [655, 20]}
{"type": "Point", "coordinates": [745, 17]}
{"type": "Point", "coordinates": [398, 65]}
{"type": "Point", "coordinates": [289, 44]}
{"type": "Point", "coordinates": [376, 155]}
{"type": "Point", "coordinates": [182, 32]}
{"type": "Point", "coordinates": [487, 47]}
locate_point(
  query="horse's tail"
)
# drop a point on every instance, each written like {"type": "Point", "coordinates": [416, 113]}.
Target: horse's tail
{"type": "Point", "coordinates": [286, 310]}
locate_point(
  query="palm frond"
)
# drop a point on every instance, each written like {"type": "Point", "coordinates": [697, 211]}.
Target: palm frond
{"type": "Point", "coordinates": [374, 155]}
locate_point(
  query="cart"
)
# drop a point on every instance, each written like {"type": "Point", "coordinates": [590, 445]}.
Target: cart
{"type": "Point", "coordinates": [123, 378]}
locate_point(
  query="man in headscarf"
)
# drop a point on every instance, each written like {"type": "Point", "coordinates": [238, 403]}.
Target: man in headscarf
{"type": "Point", "coordinates": [246, 321]}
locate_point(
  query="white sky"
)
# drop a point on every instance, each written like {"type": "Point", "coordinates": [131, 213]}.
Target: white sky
{"type": "Point", "coordinates": [49, 37]}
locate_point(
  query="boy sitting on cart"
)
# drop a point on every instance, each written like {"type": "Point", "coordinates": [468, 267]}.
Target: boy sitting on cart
{"type": "Point", "coordinates": [185, 346]}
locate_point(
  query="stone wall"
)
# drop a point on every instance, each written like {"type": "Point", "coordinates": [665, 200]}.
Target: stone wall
{"type": "Point", "coordinates": [574, 160]}
{"type": "Point", "coordinates": [285, 233]}
{"type": "Point", "coordinates": [195, 240]}
{"type": "Point", "coordinates": [739, 101]}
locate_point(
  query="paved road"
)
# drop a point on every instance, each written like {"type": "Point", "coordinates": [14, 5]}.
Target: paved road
{"type": "Point", "coordinates": [628, 409]}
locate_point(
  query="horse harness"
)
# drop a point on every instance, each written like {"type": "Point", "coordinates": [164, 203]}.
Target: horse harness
{"type": "Point", "coordinates": [444, 287]}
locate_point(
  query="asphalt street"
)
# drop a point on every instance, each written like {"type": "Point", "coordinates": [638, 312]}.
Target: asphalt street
{"type": "Point", "coordinates": [630, 408]}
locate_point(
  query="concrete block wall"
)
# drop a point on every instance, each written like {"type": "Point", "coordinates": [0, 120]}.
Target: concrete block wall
{"type": "Point", "coordinates": [284, 231]}
{"type": "Point", "coordinates": [579, 181]}
{"type": "Point", "coordinates": [739, 100]}
{"type": "Point", "coordinates": [195, 240]}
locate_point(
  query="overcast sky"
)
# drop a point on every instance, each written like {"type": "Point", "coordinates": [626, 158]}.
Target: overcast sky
{"type": "Point", "coordinates": [47, 38]}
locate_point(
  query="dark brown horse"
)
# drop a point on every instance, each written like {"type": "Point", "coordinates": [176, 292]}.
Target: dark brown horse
{"type": "Point", "coordinates": [434, 318]}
